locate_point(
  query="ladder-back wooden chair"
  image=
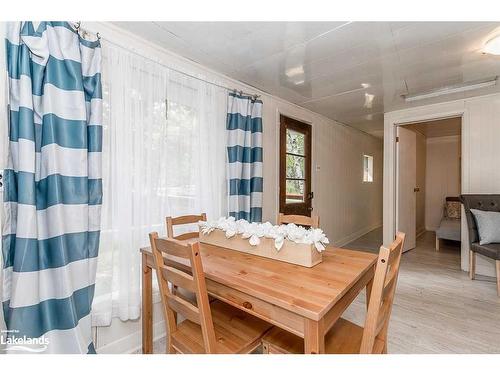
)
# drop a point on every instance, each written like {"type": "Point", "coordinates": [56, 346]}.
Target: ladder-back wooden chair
{"type": "Point", "coordinates": [208, 327]}
{"type": "Point", "coordinates": [183, 220]}
{"type": "Point", "coordinates": [312, 222]}
{"type": "Point", "coordinates": [185, 237]}
{"type": "Point", "coordinates": [346, 337]}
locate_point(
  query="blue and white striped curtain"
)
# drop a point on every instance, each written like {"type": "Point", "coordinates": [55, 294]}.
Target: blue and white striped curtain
{"type": "Point", "coordinates": [244, 151]}
{"type": "Point", "coordinates": [53, 187]}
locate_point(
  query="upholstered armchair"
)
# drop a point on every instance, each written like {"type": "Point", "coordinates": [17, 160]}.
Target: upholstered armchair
{"type": "Point", "coordinates": [485, 202]}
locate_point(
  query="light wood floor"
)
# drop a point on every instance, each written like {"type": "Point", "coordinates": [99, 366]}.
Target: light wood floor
{"type": "Point", "coordinates": [437, 309]}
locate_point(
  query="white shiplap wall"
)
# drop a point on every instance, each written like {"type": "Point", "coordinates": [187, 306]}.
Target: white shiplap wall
{"type": "Point", "coordinates": [443, 176]}
{"type": "Point", "coordinates": [348, 208]}
{"type": "Point", "coordinates": [482, 150]}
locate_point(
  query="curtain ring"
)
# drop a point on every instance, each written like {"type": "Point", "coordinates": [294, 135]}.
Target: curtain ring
{"type": "Point", "coordinates": [78, 24]}
{"type": "Point", "coordinates": [98, 36]}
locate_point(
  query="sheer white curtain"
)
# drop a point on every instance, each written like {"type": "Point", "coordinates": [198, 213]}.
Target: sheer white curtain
{"type": "Point", "coordinates": [163, 154]}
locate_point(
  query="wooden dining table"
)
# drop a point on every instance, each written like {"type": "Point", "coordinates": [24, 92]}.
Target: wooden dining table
{"type": "Point", "coordinates": [304, 301]}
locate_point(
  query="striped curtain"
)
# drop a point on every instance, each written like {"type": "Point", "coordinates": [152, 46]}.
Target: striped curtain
{"type": "Point", "coordinates": [244, 151]}
{"type": "Point", "coordinates": [53, 189]}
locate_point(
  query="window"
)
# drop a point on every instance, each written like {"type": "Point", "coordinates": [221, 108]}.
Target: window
{"type": "Point", "coordinates": [295, 167]}
{"type": "Point", "coordinates": [164, 152]}
{"type": "Point", "coordinates": [367, 168]}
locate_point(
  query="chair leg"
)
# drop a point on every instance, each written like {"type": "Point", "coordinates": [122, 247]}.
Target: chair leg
{"type": "Point", "coordinates": [368, 293]}
{"type": "Point", "coordinates": [437, 243]}
{"type": "Point", "coordinates": [497, 263]}
{"type": "Point", "coordinates": [170, 348]}
{"type": "Point", "coordinates": [472, 264]}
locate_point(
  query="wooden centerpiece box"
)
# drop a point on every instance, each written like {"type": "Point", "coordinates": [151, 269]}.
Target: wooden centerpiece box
{"type": "Point", "coordinates": [291, 252]}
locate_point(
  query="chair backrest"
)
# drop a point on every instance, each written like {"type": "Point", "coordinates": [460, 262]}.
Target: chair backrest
{"type": "Point", "coordinates": [382, 296]}
{"type": "Point", "coordinates": [312, 221]}
{"type": "Point", "coordinates": [183, 220]}
{"type": "Point", "coordinates": [485, 202]}
{"type": "Point", "coordinates": [167, 272]}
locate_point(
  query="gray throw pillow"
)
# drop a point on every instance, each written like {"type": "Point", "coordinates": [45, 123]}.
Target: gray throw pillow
{"type": "Point", "coordinates": [488, 226]}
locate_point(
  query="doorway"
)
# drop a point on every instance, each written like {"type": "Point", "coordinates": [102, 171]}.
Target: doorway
{"type": "Point", "coordinates": [295, 196]}
{"type": "Point", "coordinates": [428, 167]}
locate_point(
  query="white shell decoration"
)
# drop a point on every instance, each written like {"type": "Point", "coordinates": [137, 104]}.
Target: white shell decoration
{"type": "Point", "coordinates": [255, 231]}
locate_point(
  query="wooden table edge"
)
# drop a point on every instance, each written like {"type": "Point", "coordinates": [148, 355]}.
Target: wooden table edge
{"type": "Point", "coordinates": [297, 309]}
{"type": "Point", "coordinates": [370, 268]}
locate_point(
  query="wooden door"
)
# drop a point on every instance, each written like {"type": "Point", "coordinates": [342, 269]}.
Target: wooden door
{"type": "Point", "coordinates": [295, 167]}
{"type": "Point", "coordinates": [406, 185]}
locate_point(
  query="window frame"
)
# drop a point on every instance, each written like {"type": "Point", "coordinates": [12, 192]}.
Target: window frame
{"type": "Point", "coordinates": [368, 173]}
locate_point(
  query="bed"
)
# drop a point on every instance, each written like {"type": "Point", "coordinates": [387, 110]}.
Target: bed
{"type": "Point", "coordinates": [450, 225]}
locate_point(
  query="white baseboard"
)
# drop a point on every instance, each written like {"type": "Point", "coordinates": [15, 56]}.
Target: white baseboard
{"type": "Point", "coordinates": [421, 232]}
{"type": "Point", "coordinates": [132, 343]}
{"type": "Point", "coordinates": [356, 235]}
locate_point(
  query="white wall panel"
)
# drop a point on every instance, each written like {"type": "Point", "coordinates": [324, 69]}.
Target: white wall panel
{"type": "Point", "coordinates": [347, 207]}
{"type": "Point", "coordinates": [442, 178]}
{"type": "Point", "coordinates": [483, 153]}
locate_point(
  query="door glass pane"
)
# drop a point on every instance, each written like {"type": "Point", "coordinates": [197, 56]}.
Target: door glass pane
{"type": "Point", "coordinates": [295, 166]}
{"type": "Point", "coordinates": [295, 142]}
{"type": "Point", "coordinates": [294, 191]}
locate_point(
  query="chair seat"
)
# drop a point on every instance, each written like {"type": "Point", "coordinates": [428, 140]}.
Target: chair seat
{"type": "Point", "coordinates": [235, 331]}
{"type": "Point", "coordinates": [344, 338]}
{"type": "Point", "coordinates": [491, 250]}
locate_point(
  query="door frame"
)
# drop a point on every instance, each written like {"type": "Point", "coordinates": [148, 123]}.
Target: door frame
{"type": "Point", "coordinates": [308, 167]}
{"type": "Point", "coordinates": [460, 114]}
{"type": "Point", "coordinates": [302, 117]}
{"type": "Point", "coordinates": [455, 108]}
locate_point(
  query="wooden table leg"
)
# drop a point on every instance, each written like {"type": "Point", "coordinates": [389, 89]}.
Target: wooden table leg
{"type": "Point", "coordinates": [314, 337]}
{"type": "Point", "coordinates": [368, 292]}
{"type": "Point", "coordinates": [147, 307]}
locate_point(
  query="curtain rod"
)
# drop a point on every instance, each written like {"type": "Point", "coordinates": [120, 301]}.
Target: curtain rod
{"type": "Point", "coordinates": [78, 27]}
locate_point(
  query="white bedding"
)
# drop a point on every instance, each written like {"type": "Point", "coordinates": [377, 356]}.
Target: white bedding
{"type": "Point", "coordinates": [449, 229]}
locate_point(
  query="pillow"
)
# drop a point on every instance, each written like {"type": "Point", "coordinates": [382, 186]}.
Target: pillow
{"type": "Point", "coordinates": [488, 226]}
{"type": "Point", "coordinates": [453, 209]}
